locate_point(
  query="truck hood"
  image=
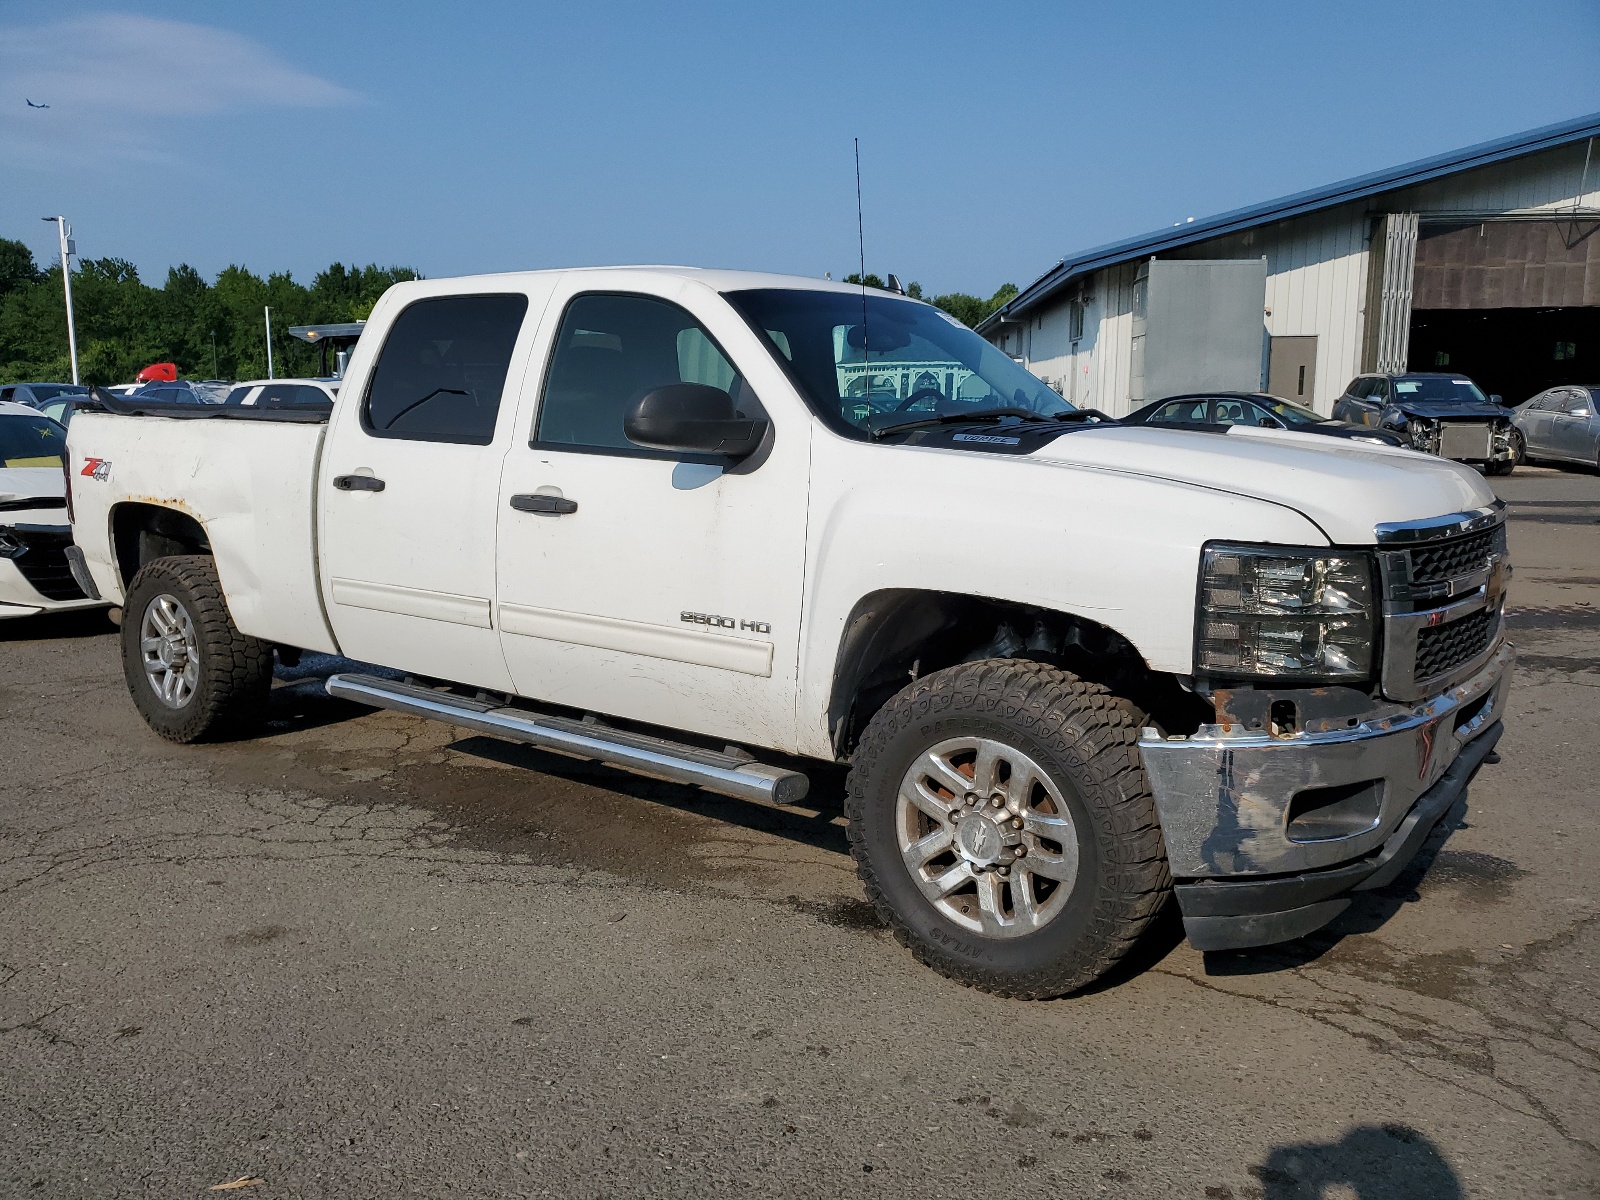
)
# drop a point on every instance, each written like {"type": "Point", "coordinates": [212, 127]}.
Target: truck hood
{"type": "Point", "coordinates": [1345, 487]}
{"type": "Point", "coordinates": [22, 483]}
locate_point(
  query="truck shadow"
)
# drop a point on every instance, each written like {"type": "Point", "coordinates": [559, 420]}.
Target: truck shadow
{"type": "Point", "coordinates": [47, 627]}
{"type": "Point", "coordinates": [815, 822]}
{"type": "Point", "coordinates": [1371, 1162]}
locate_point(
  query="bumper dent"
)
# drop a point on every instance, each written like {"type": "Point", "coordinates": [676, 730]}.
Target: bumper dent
{"type": "Point", "coordinates": [1226, 797]}
{"type": "Point", "coordinates": [1235, 914]}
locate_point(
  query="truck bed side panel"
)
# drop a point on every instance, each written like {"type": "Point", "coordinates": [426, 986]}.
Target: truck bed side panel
{"type": "Point", "coordinates": [249, 485]}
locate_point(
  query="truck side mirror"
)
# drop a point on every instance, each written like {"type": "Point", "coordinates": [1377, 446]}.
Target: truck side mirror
{"type": "Point", "coordinates": [1496, 400]}
{"type": "Point", "coordinates": [692, 418]}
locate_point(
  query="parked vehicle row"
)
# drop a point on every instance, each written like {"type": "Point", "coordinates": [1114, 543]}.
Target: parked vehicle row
{"type": "Point", "coordinates": [1441, 414]}
{"type": "Point", "coordinates": [670, 519]}
{"type": "Point", "coordinates": [1224, 410]}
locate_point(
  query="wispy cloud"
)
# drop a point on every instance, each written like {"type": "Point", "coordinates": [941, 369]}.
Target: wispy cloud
{"type": "Point", "coordinates": [112, 79]}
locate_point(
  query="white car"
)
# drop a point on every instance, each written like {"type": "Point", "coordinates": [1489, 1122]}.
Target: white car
{"type": "Point", "coordinates": [36, 572]}
{"type": "Point", "coordinates": [689, 522]}
{"type": "Point", "coordinates": [301, 394]}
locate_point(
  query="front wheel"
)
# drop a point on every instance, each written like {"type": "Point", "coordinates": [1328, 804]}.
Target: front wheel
{"type": "Point", "coordinates": [1002, 824]}
{"type": "Point", "coordinates": [191, 673]}
{"type": "Point", "coordinates": [1518, 456]}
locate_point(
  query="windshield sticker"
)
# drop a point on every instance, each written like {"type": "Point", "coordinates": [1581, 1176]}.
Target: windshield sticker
{"type": "Point", "coordinates": [1406, 387]}
{"type": "Point", "coordinates": [1462, 382]}
{"type": "Point", "coordinates": [988, 438]}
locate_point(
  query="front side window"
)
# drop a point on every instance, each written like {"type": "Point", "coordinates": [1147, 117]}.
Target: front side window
{"type": "Point", "coordinates": [442, 369]}
{"type": "Point", "coordinates": [611, 350]}
{"type": "Point", "coordinates": [1289, 414]}
{"type": "Point", "coordinates": [866, 364]}
{"type": "Point", "coordinates": [31, 442]}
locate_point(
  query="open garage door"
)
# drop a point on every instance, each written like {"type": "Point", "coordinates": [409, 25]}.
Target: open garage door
{"type": "Point", "coordinates": [1515, 304]}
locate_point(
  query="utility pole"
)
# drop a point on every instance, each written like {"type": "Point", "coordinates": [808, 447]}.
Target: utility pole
{"type": "Point", "coordinates": [268, 311]}
{"type": "Point", "coordinates": [64, 233]}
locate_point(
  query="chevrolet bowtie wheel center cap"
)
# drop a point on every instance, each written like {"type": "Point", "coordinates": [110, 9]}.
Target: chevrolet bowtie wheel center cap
{"type": "Point", "coordinates": [980, 841]}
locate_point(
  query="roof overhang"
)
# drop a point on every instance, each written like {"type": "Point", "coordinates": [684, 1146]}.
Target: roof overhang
{"type": "Point", "coordinates": [1362, 187]}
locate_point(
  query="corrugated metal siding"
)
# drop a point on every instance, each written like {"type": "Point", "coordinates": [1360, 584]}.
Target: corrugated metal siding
{"type": "Point", "coordinates": [1316, 275]}
{"type": "Point", "coordinates": [1546, 181]}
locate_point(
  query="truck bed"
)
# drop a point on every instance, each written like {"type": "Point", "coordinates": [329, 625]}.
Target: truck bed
{"type": "Point", "coordinates": [247, 477]}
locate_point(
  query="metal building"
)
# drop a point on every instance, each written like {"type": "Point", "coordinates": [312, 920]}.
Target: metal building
{"type": "Point", "coordinates": [1484, 261]}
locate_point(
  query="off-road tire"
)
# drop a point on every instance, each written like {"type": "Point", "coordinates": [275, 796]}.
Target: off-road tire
{"type": "Point", "coordinates": [235, 675]}
{"type": "Point", "coordinates": [1086, 740]}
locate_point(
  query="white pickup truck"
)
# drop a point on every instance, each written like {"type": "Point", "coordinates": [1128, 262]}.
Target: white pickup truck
{"type": "Point", "coordinates": [680, 521]}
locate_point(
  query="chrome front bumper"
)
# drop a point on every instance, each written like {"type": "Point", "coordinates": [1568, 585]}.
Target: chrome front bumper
{"type": "Point", "coordinates": [1228, 797]}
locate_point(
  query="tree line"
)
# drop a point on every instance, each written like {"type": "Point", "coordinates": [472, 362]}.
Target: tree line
{"type": "Point", "coordinates": [969, 310]}
{"type": "Point", "coordinates": [214, 330]}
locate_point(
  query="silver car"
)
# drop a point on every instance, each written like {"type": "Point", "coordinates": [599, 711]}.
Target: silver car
{"type": "Point", "coordinates": [1561, 424]}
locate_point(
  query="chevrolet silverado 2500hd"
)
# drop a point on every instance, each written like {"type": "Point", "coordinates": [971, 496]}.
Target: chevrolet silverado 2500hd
{"type": "Point", "coordinates": [680, 520]}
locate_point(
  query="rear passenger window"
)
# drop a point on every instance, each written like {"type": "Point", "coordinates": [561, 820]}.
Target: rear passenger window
{"type": "Point", "coordinates": [1181, 410]}
{"type": "Point", "coordinates": [442, 369]}
{"type": "Point", "coordinates": [609, 352]}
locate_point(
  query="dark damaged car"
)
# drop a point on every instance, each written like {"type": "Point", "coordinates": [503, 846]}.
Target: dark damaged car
{"type": "Point", "coordinates": [1441, 414]}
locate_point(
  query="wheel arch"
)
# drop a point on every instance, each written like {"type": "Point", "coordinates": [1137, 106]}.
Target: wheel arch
{"type": "Point", "coordinates": [141, 532]}
{"type": "Point", "coordinates": [894, 636]}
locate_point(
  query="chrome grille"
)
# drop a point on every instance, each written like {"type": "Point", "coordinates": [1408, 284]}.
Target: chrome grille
{"type": "Point", "coordinates": [1442, 648]}
{"type": "Point", "coordinates": [1444, 584]}
{"type": "Point", "coordinates": [1439, 561]}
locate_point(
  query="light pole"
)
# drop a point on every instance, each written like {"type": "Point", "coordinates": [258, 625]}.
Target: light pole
{"type": "Point", "coordinates": [213, 354]}
{"type": "Point", "coordinates": [64, 233]}
{"type": "Point", "coordinates": [268, 311]}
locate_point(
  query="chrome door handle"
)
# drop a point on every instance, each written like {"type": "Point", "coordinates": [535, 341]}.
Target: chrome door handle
{"type": "Point", "coordinates": [357, 483]}
{"type": "Point", "coordinates": [540, 503]}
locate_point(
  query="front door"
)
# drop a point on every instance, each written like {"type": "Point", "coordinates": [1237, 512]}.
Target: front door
{"type": "Point", "coordinates": [1570, 430]}
{"type": "Point", "coordinates": [1292, 369]}
{"type": "Point", "coordinates": [408, 489]}
{"type": "Point", "coordinates": [641, 583]}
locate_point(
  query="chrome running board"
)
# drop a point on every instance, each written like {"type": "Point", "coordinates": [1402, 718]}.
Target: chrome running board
{"type": "Point", "coordinates": [725, 774]}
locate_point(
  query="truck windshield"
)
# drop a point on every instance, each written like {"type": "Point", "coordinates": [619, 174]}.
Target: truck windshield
{"type": "Point", "coordinates": [896, 361]}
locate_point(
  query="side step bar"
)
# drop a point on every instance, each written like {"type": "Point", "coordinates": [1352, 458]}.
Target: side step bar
{"type": "Point", "coordinates": [725, 774]}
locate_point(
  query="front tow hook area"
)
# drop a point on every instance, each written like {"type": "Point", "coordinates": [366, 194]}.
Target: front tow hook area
{"type": "Point", "coordinates": [1240, 913]}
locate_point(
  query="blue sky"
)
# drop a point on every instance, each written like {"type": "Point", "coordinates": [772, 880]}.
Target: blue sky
{"type": "Point", "coordinates": [469, 137]}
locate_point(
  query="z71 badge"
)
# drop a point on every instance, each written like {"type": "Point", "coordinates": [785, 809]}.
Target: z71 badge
{"type": "Point", "coordinates": [715, 622]}
{"type": "Point", "coordinates": [97, 468]}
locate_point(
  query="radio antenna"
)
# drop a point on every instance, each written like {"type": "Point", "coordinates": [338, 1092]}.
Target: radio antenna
{"type": "Point", "coordinates": [861, 251]}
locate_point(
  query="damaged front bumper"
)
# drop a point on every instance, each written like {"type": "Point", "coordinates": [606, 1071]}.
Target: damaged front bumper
{"type": "Point", "coordinates": [1270, 835]}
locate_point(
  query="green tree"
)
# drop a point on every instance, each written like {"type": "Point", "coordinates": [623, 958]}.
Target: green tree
{"type": "Point", "coordinates": [17, 267]}
{"type": "Point", "coordinates": [124, 324]}
{"type": "Point", "coordinates": [969, 310]}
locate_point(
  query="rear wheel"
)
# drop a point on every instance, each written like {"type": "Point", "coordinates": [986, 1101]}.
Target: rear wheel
{"type": "Point", "coordinates": [191, 673]}
{"type": "Point", "coordinates": [1002, 824]}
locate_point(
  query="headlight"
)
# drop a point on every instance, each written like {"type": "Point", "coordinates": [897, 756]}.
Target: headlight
{"type": "Point", "coordinates": [1266, 612]}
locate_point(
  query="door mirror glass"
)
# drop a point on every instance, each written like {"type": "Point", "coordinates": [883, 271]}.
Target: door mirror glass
{"type": "Point", "coordinates": [692, 418]}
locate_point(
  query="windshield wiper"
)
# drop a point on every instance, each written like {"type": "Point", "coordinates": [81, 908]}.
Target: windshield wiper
{"type": "Point", "coordinates": [988, 414]}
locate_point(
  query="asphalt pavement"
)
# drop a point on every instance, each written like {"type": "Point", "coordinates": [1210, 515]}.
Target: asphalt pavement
{"type": "Point", "coordinates": [365, 955]}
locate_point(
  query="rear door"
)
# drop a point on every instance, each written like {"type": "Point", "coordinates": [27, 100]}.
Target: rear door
{"type": "Point", "coordinates": [1534, 422]}
{"type": "Point", "coordinates": [409, 483]}
{"type": "Point", "coordinates": [638, 582]}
